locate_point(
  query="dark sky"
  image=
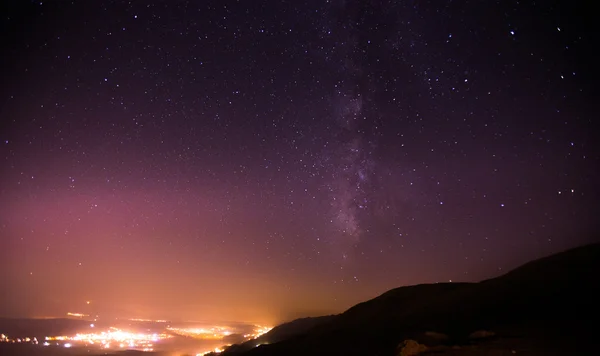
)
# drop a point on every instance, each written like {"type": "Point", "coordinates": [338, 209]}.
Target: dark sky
{"type": "Point", "coordinates": [261, 160]}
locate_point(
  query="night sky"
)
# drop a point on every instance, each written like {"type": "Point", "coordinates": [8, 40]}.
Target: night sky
{"type": "Point", "coordinates": [264, 160]}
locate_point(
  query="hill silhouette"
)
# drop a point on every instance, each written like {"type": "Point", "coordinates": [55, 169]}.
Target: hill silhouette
{"type": "Point", "coordinates": [281, 332]}
{"type": "Point", "coordinates": [541, 308]}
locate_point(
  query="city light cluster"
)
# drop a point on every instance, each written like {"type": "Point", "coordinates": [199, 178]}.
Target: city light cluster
{"type": "Point", "coordinates": [260, 330]}
{"type": "Point", "coordinates": [117, 339]}
{"type": "Point", "coordinates": [77, 315]}
{"type": "Point", "coordinates": [214, 333]}
{"type": "Point", "coordinates": [5, 338]}
{"type": "Point", "coordinates": [113, 338]}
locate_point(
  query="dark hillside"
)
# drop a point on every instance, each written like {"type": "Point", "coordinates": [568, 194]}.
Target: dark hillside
{"type": "Point", "coordinates": [552, 299]}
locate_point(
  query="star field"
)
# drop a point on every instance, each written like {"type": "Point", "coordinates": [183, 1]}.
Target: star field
{"type": "Point", "coordinates": [259, 161]}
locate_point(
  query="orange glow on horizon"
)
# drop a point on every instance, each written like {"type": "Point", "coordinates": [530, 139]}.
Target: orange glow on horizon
{"type": "Point", "coordinates": [78, 315]}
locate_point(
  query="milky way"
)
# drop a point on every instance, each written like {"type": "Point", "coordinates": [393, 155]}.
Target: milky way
{"type": "Point", "coordinates": [353, 151]}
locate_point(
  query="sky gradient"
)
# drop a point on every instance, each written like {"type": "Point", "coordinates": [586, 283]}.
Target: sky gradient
{"type": "Point", "coordinates": [264, 160]}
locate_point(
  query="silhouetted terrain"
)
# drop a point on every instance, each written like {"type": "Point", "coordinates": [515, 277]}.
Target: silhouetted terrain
{"type": "Point", "coordinates": [544, 307]}
{"type": "Point", "coordinates": [282, 332]}
{"type": "Point", "coordinates": [42, 327]}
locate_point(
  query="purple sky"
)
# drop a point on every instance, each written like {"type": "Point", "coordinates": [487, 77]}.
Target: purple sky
{"type": "Point", "coordinates": [259, 161]}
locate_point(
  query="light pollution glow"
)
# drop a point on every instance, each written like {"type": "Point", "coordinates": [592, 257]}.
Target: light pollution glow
{"type": "Point", "coordinates": [115, 338]}
{"type": "Point", "coordinates": [77, 315]}
{"type": "Point", "coordinates": [215, 333]}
